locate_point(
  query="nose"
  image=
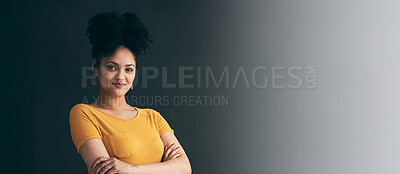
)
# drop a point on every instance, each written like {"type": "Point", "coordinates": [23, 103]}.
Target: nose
{"type": "Point", "coordinates": [120, 74]}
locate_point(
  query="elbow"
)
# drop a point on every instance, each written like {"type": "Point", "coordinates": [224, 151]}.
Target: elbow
{"type": "Point", "coordinates": [188, 169]}
{"type": "Point", "coordinates": [185, 168]}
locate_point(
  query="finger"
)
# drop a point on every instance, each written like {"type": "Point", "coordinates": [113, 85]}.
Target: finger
{"type": "Point", "coordinates": [113, 170]}
{"type": "Point", "coordinates": [165, 155]}
{"type": "Point", "coordinates": [105, 169]}
{"type": "Point", "coordinates": [100, 166]}
{"type": "Point", "coordinates": [169, 148]}
{"type": "Point", "coordinates": [168, 151]}
{"type": "Point", "coordinates": [165, 148]}
{"type": "Point", "coordinates": [173, 152]}
{"type": "Point", "coordinates": [98, 160]}
{"type": "Point", "coordinates": [175, 149]}
{"type": "Point", "coordinates": [176, 155]}
{"type": "Point", "coordinates": [173, 144]}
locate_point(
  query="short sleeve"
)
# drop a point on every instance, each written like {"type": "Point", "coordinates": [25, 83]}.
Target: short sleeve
{"type": "Point", "coordinates": [162, 124]}
{"type": "Point", "coordinates": [82, 127]}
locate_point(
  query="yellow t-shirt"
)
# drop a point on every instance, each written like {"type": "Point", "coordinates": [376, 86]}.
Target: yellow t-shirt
{"type": "Point", "coordinates": [135, 141]}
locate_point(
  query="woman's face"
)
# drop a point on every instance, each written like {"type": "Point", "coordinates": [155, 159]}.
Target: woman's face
{"type": "Point", "coordinates": [117, 72]}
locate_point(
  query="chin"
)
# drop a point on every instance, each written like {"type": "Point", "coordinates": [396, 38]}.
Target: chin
{"type": "Point", "coordinates": [120, 93]}
{"type": "Point", "coordinates": [117, 92]}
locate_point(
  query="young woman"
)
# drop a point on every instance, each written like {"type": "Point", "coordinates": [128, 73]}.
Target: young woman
{"type": "Point", "coordinates": [111, 135]}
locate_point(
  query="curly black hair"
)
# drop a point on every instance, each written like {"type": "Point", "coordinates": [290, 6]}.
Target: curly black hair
{"type": "Point", "coordinates": [109, 31]}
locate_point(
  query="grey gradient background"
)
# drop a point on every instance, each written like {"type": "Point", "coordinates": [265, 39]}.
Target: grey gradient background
{"type": "Point", "coordinates": [349, 124]}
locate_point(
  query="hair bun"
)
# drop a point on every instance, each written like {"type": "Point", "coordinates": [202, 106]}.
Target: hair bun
{"type": "Point", "coordinates": [108, 31]}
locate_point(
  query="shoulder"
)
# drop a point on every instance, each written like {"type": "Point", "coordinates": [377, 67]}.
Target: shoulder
{"type": "Point", "coordinates": [79, 107]}
{"type": "Point", "coordinates": [80, 110]}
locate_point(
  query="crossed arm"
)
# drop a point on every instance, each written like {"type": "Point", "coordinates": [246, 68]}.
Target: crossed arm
{"type": "Point", "coordinates": [96, 157]}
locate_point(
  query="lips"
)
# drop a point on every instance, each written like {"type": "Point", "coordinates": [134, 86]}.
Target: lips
{"type": "Point", "coordinates": [119, 85]}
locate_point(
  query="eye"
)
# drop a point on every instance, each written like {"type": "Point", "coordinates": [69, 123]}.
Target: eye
{"type": "Point", "coordinates": [111, 68]}
{"type": "Point", "coordinates": [129, 69]}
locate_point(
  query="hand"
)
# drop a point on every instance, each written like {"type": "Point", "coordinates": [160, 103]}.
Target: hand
{"type": "Point", "coordinates": [171, 152]}
{"type": "Point", "coordinates": [104, 165]}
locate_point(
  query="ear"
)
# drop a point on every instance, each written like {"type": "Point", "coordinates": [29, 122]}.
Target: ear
{"type": "Point", "coordinates": [94, 61]}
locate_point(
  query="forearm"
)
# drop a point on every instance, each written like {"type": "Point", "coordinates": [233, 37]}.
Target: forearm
{"type": "Point", "coordinates": [173, 166]}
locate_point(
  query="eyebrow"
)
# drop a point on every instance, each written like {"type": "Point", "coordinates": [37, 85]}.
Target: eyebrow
{"type": "Point", "coordinates": [118, 64]}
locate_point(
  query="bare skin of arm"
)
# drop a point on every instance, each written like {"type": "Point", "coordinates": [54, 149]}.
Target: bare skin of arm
{"type": "Point", "coordinates": [92, 150]}
{"type": "Point", "coordinates": [95, 155]}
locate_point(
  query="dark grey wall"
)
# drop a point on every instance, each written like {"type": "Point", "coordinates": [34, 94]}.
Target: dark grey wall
{"type": "Point", "coordinates": [347, 123]}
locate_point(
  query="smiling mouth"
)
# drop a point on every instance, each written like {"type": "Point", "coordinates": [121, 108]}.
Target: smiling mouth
{"type": "Point", "coordinates": [119, 85]}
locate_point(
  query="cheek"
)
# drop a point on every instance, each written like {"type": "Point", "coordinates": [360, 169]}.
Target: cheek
{"type": "Point", "coordinates": [106, 77]}
{"type": "Point", "coordinates": [132, 78]}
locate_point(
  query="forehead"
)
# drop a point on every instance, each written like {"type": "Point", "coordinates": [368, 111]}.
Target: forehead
{"type": "Point", "coordinates": [121, 56]}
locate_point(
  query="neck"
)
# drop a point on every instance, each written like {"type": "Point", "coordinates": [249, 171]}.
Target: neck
{"type": "Point", "coordinates": [110, 102]}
